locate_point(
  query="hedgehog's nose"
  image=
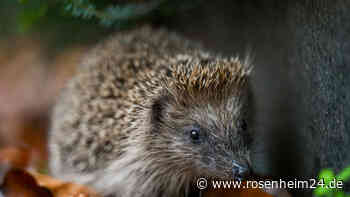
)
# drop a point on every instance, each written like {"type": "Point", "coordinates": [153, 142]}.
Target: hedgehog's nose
{"type": "Point", "coordinates": [239, 171]}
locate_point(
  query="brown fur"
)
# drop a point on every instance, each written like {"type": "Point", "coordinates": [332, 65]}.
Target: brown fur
{"type": "Point", "coordinates": [122, 123]}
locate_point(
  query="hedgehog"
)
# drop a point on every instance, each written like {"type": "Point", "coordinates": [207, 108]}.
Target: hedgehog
{"type": "Point", "coordinates": [150, 112]}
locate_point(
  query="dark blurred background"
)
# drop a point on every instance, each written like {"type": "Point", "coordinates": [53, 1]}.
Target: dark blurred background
{"type": "Point", "coordinates": [300, 50]}
{"type": "Point", "coordinates": [39, 50]}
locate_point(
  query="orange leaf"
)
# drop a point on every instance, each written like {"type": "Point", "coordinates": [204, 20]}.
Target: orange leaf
{"type": "Point", "coordinates": [246, 192]}
{"type": "Point", "coordinates": [18, 183]}
{"type": "Point", "coordinates": [14, 157]}
{"type": "Point", "coordinates": [64, 189]}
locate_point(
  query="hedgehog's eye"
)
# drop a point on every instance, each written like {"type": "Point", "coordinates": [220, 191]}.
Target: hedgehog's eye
{"type": "Point", "coordinates": [194, 133]}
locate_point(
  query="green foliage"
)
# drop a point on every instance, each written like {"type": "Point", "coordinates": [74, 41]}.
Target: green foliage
{"type": "Point", "coordinates": [32, 14]}
{"type": "Point", "coordinates": [110, 14]}
{"type": "Point", "coordinates": [106, 12]}
{"type": "Point", "coordinates": [329, 178]}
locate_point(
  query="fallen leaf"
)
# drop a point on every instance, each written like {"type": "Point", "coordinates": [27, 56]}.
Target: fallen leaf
{"type": "Point", "coordinates": [64, 189]}
{"type": "Point", "coordinates": [19, 183]}
{"type": "Point", "coordinates": [15, 157]}
{"type": "Point", "coordinates": [246, 192]}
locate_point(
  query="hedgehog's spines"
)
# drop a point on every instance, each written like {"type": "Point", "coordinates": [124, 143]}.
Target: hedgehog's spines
{"type": "Point", "coordinates": [113, 101]}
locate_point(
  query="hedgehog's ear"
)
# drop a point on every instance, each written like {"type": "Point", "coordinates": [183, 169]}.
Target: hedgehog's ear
{"type": "Point", "coordinates": [157, 110]}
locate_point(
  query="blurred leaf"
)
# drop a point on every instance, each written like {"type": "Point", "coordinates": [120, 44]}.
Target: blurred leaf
{"type": "Point", "coordinates": [15, 157]}
{"type": "Point", "coordinates": [31, 16]}
{"type": "Point", "coordinates": [242, 192]}
{"type": "Point", "coordinates": [344, 175]}
{"type": "Point", "coordinates": [19, 183]}
{"type": "Point", "coordinates": [110, 13]}
{"type": "Point", "coordinates": [64, 189]}
{"type": "Point", "coordinates": [23, 1]}
{"type": "Point", "coordinates": [327, 175]}
{"type": "Point", "coordinates": [339, 194]}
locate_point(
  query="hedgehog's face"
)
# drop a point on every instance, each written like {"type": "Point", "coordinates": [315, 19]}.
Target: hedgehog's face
{"type": "Point", "coordinates": [206, 130]}
{"type": "Point", "coordinates": [209, 139]}
{"type": "Point", "coordinates": [220, 135]}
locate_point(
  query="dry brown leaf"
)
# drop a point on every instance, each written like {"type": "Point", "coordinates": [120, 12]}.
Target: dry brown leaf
{"type": "Point", "coordinates": [236, 193]}
{"type": "Point", "coordinates": [19, 183]}
{"type": "Point", "coordinates": [64, 189]}
{"type": "Point", "coordinates": [14, 157]}
{"type": "Point", "coordinates": [247, 192]}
